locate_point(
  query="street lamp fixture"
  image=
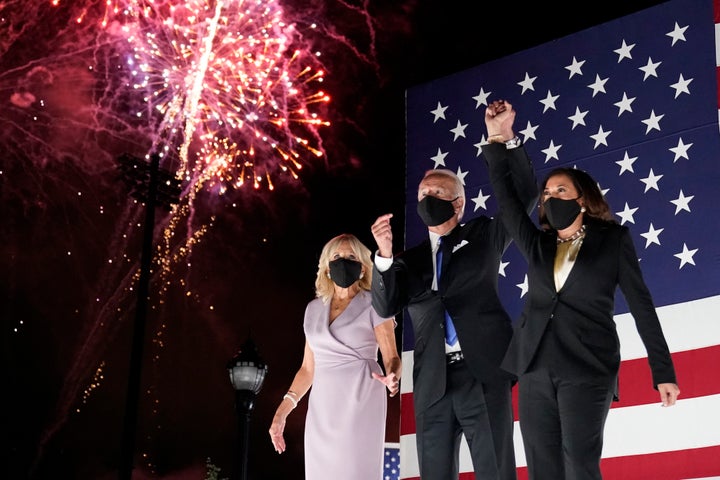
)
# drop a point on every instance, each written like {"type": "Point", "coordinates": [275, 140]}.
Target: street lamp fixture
{"type": "Point", "coordinates": [247, 370]}
{"type": "Point", "coordinates": [247, 373]}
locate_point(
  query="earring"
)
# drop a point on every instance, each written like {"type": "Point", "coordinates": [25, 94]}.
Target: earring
{"type": "Point", "coordinates": [328, 274]}
{"type": "Point", "coordinates": [362, 274]}
{"type": "Point", "coordinates": [582, 209]}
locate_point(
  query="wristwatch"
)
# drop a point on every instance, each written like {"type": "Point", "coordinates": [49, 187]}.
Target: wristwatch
{"type": "Point", "coordinates": [513, 142]}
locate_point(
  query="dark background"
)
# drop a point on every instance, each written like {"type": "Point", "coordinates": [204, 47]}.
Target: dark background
{"type": "Point", "coordinates": [67, 317]}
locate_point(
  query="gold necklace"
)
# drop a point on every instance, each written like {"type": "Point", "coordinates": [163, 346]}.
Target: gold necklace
{"type": "Point", "coordinates": [574, 236]}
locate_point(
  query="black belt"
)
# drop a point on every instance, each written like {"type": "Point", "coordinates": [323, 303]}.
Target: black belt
{"type": "Point", "coordinates": [454, 357]}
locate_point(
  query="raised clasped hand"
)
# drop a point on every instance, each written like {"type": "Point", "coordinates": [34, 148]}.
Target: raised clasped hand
{"type": "Point", "coordinates": [499, 118]}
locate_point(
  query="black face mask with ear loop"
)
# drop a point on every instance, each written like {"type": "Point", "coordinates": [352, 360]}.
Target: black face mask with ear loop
{"type": "Point", "coordinates": [435, 211]}
{"type": "Point", "coordinates": [344, 272]}
{"type": "Point", "coordinates": [561, 213]}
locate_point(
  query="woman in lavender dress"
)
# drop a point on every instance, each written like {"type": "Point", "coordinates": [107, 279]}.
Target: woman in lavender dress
{"type": "Point", "coordinates": [347, 406]}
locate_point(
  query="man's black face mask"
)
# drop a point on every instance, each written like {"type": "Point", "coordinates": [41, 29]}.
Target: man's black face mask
{"type": "Point", "coordinates": [435, 211]}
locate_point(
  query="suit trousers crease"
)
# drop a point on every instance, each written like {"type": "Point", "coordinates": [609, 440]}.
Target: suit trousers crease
{"type": "Point", "coordinates": [490, 440]}
{"type": "Point", "coordinates": [567, 445]}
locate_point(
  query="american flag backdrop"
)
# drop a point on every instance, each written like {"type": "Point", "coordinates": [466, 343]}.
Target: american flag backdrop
{"type": "Point", "coordinates": [391, 464]}
{"type": "Point", "coordinates": [635, 103]}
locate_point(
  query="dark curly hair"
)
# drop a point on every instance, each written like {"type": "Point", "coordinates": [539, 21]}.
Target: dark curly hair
{"type": "Point", "coordinates": [596, 207]}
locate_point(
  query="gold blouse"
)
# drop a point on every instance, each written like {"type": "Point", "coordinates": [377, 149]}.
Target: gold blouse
{"type": "Point", "coordinates": [565, 256]}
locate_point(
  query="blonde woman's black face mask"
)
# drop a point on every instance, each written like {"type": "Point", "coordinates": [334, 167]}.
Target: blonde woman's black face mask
{"type": "Point", "coordinates": [345, 272]}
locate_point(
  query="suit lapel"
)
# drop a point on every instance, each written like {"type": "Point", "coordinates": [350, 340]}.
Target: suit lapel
{"type": "Point", "coordinates": [424, 254]}
{"type": "Point", "coordinates": [448, 243]}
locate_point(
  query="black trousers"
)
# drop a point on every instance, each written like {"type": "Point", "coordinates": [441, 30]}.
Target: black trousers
{"type": "Point", "coordinates": [480, 411]}
{"type": "Point", "coordinates": [562, 426]}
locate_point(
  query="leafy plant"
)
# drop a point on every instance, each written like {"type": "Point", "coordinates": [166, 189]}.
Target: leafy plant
{"type": "Point", "coordinates": [212, 472]}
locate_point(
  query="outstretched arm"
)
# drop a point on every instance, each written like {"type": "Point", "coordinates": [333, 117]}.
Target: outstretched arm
{"type": "Point", "coordinates": [298, 388]}
{"type": "Point", "coordinates": [512, 178]}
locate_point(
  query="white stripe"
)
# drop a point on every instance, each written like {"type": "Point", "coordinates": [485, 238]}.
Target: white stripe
{"type": "Point", "coordinates": [687, 326]}
{"type": "Point", "coordinates": [641, 429]}
{"type": "Point", "coordinates": [406, 382]}
{"type": "Point", "coordinates": [408, 457]}
{"type": "Point", "coordinates": [717, 45]}
{"type": "Point", "coordinates": [691, 423]}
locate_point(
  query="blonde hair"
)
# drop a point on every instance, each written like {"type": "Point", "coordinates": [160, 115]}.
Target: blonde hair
{"type": "Point", "coordinates": [324, 286]}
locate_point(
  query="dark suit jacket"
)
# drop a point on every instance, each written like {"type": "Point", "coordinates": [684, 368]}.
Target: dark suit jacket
{"type": "Point", "coordinates": [467, 290]}
{"type": "Point", "coordinates": [572, 330]}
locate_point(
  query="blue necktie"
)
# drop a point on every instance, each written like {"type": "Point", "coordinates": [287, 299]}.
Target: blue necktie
{"type": "Point", "coordinates": [450, 334]}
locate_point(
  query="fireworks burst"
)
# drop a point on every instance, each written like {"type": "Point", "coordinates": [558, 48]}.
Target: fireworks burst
{"type": "Point", "coordinates": [228, 85]}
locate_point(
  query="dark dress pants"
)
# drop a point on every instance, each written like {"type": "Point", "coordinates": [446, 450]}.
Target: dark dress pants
{"type": "Point", "coordinates": [562, 426]}
{"type": "Point", "coordinates": [480, 411]}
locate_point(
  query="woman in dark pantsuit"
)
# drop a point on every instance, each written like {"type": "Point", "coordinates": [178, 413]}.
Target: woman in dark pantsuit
{"type": "Point", "coordinates": [565, 349]}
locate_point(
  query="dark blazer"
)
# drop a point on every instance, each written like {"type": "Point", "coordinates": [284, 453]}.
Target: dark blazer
{"type": "Point", "coordinates": [467, 290]}
{"type": "Point", "coordinates": [581, 342]}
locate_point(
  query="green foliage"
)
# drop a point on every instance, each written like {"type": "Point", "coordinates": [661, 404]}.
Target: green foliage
{"type": "Point", "coordinates": [212, 472]}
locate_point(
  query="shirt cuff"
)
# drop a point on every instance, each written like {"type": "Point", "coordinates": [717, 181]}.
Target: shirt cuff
{"type": "Point", "coordinates": [382, 264]}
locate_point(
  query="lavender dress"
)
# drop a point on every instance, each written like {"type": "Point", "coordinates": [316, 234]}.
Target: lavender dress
{"type": "Point", "coordinates": [345, 423]}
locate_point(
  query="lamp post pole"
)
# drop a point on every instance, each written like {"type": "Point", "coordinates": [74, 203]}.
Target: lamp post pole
{"type": "Point", "coordinates": [247, 373]}
{"type": "Point", "coordinates": [244, 403]}
{"type": "Point", "coordinates": [156, 188]}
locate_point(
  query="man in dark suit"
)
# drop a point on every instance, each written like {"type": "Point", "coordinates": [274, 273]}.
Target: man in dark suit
{"type": "Point", "coordinates": [458, 385]}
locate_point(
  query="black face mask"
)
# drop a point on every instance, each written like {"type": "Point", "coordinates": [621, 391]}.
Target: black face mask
{"type": "Point", "coordinates": [345, 272]}
{"type": "Point", "coordinates": [435, 211]}
{"type": "Point", "coordinates": [561, 213]}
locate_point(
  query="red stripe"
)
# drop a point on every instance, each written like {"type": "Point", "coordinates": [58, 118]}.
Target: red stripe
{"type": "Point", "coordinates": [717, 75]}
{"type": "Point", "coordinates": [694, 463]}
{"type": "Point", "coordinates": [694, 369]}
{"type": "Point", "coordinates": [407, 414]}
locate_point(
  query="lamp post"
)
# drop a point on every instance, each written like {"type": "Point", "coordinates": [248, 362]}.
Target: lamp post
{"type": "Point", "coordinates": [155, 187]}
{"type": "Point", "coordinates": [247, 373]}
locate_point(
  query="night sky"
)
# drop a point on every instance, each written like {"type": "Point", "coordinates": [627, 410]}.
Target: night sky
{"type": "Point", "coordinates": [235, 262]}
